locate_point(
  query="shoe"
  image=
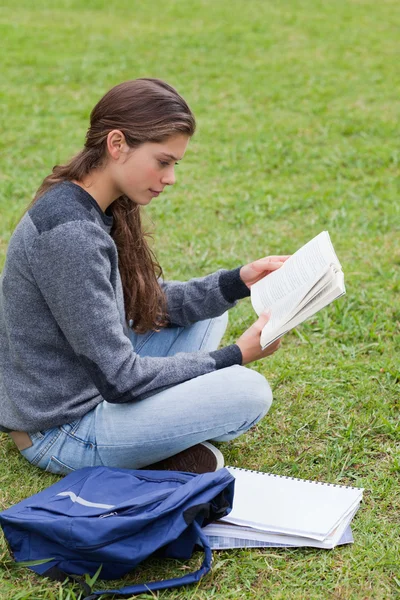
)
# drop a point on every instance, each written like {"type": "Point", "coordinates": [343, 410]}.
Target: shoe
{"type": "Point", "coordinates": [201, 458]}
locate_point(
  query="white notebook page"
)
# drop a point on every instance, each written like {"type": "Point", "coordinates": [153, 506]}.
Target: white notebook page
{"type": "Point", "coordinates": [225, 531]}
{"type": "Point", "coordinates": [218, 542]}
{"type": "Point", "coordinates": [287, 505]}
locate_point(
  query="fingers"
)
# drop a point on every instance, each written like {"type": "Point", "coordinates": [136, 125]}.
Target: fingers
{"type": "Point", "coordinates": [262, 320]}
{"type": "Point", "coordinates": [272, 347]}
{"type": "Point", "coordinates": [269, 263]}
{"type": "Point", "coordinates": [279, 258]}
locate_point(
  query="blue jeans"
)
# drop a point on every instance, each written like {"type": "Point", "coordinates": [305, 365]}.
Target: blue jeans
{"type": "Point", "coordinates": [217, 406]}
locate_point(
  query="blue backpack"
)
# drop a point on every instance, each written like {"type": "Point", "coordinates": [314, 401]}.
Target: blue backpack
{"type": "Point", "coordinates": [114, 519]}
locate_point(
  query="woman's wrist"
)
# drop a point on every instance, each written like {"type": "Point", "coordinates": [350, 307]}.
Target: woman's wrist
{"type": "Point", "coordinates": [232, 286]}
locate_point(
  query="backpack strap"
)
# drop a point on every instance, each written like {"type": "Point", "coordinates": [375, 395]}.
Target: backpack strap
{"type": "Point", "coordinates": [142, 588]}
{"type": "Point", "coordinates": [56, 574]}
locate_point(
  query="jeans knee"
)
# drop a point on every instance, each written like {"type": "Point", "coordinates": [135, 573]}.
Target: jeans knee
{"type": "Point", "coordinates": [223, 320]}
{"type": "Point", "coordinates": [255, 388]}
{"type": "Point", "coordinates": [262, 393]}
{"type": "Point", "coordinates": [248, 398]}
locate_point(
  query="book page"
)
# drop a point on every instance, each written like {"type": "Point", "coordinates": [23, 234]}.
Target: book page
{"type": "Point", "coordinates": [302, 268]}
{"type": "Point", "coordinates": [288, 307]}
{"type": "Point", "coordinates": [281, 311]}
{"type": "Point", "coordinates": [331, 290]}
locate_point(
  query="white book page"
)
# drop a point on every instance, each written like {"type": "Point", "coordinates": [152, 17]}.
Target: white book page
{"type": "Point", "coordinates": [276, 328]}
{"type": "Point", "coordinates": [302, 268]}
{"type": "Point", "coordinates": [328, 279]}
{"type": "Point", "coordinates": [284, 310]}
{"type": "Point", "coordinates": [332, 291]}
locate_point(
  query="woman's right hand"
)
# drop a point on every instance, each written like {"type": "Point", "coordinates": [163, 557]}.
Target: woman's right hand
{"type": "Point", "coordinates": [249, 341]}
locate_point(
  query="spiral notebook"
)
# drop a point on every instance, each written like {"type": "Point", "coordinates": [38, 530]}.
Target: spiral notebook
{"type": "Point", "coordinates": [290, 506]}
{"type": "Point", "coordinates": [222, 536]}
{"type": "Point", "coordinates": [219, 541]}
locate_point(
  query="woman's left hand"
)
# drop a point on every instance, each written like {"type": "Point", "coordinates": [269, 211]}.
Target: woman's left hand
{"type": "Point", "coordinates": [258, 269]}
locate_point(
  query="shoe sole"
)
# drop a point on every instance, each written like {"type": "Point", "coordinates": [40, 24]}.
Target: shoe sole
{"type": "Point", "coordinates": [205, 458]}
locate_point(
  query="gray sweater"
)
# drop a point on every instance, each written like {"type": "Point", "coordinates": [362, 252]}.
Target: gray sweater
{"type": "Point", "coordinates": [63, 333]}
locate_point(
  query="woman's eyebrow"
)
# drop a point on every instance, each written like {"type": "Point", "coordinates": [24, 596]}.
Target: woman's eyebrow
{"type": "Point", "coordinates": [170, 156]}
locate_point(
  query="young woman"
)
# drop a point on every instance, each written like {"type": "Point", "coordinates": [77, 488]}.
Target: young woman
{"type": "Point", "coordinates": [101, 361]}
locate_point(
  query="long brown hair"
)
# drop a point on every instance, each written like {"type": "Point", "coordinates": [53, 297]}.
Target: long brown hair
{"type": "Point", "coordinates": [145, 110]}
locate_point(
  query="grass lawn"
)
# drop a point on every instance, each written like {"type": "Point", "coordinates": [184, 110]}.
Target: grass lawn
{"type": "Point", "coordinates": [298, 107]}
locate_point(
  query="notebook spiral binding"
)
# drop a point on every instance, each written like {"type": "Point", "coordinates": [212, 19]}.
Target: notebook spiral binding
{"type": "Point", "coordinates": [335, 485]}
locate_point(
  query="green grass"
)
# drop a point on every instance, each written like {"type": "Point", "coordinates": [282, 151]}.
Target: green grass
{"type": "Point", "coordinates": [297, 106]}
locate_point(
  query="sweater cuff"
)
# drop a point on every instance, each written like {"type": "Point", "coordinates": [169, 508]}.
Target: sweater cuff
{"type": "Point", "coordinates": [232, 287]}
{"type": "Point", "coordinates": [228, 356]}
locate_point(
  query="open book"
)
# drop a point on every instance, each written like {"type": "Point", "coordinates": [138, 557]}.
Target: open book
{"type": "Point", "coordinates": [308, 281]}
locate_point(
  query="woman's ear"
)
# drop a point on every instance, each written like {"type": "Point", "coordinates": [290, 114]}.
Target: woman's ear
{"type": "Point", "coordinates": [116, 144]}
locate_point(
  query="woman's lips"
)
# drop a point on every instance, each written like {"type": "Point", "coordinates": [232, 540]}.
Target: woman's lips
{"type": "Point", "coordinates": [155, 194]}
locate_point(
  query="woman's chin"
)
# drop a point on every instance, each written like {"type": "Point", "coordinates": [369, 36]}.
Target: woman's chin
{"type": "Point", "coordinates": [142, 200]}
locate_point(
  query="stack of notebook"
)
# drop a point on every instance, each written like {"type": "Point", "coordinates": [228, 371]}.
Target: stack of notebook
{"type": "Point", "coordinates": [275, 511]}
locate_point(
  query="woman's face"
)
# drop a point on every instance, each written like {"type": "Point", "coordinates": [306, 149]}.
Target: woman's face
{"type": "Point", "coordinates": [142, 173]}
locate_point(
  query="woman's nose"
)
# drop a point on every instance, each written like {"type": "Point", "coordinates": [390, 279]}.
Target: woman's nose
{"type": "Point", "coordinates": [169, 177]}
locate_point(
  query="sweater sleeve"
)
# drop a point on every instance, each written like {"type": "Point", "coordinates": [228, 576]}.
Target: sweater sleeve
{"type": "Point", "coordinates": [203, 297]}
{"type": "Point", "coordinates": [75, 267]}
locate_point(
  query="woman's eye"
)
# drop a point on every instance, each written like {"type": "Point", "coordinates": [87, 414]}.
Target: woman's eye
{"type": "Point", "coordinates": [166, 164]}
